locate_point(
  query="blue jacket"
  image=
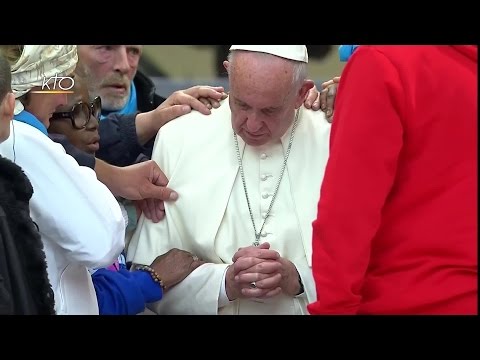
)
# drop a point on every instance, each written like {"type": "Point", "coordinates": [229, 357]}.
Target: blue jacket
{"type": "Point", "coordinates": [119, 144]}
{"type": "Point", "coordinates": [124, 292]}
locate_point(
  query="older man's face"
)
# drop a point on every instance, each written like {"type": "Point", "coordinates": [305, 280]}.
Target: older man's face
{"type": "Point", "coordinates": [109, 71]}
{"type": "Point", "coordinates": [262, 99]}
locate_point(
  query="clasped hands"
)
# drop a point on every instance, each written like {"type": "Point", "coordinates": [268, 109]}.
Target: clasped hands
{"type": "Point", "coordinates": [264, 267]}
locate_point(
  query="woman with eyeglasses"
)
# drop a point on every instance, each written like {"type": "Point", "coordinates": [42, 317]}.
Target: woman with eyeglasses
{"type": "Point", "coordinates": [78, 119]}
{"type": "Point", "coordinates": [119, 291]}
{"type": "Point", "coordinates": [79, 219]}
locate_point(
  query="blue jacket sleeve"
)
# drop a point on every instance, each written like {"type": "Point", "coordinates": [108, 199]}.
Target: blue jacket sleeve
{"type": "Point", "coordinates": [124, 292]}
{"type": "Point", "coordinates": [119, 144]}
{"type": "Point", "coordinates": [83, 158]}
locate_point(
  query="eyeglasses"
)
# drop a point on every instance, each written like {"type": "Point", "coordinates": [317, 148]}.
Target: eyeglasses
{"type": "Point", "coordinates": [81, 113]}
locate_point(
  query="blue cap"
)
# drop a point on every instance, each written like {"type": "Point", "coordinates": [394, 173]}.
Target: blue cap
{"type": "Point", "coordinates": [345, 51]}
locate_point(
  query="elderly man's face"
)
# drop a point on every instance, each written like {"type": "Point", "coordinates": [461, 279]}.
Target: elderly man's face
{"type": "Point", "coordinates": [109, 70]}
{"type": "Point", "coordinates": [262, 98]}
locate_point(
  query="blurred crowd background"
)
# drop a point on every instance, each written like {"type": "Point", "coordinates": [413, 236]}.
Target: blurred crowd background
{"type": "Point", "coordinates": [175, 67]}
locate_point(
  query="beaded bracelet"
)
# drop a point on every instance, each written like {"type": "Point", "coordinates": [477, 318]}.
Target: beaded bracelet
{"type": "Point", "coordinates": [152, 273]}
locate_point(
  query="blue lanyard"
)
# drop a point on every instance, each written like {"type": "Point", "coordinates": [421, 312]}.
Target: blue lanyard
{"type": "Point", "coordinates": [28, 118]}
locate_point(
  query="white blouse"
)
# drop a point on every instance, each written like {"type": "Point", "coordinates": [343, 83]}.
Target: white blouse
{"type": "Point", "coordinates": [79, 219]}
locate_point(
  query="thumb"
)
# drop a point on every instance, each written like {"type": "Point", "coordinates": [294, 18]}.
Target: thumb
{"type": "Point", "coordinates": [173, 112]}
{"type": "Point", "coordinates": [264, 245]}
{"type": "Point", "coordinates": [164, 193]}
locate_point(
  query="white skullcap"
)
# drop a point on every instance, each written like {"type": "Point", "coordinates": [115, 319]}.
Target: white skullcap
{"type": "Point", "coordinates": [292, 52]}
{"type": "Point", "coordinates": [37, 62]}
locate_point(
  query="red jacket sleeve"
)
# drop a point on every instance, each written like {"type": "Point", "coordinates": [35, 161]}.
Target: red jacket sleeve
{"type": "Point", "coordinates": [365, 143]}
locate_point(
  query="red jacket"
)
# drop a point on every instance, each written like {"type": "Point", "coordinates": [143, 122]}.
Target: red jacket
{"type": "Point", "coordinates": [396, 231]}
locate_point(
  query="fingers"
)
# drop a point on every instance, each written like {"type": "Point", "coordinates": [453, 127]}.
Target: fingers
{"type": "Point", "coordinates": [158, 208]}
{"type": "Point", "coordinates": [200, 98]}
{"type": "Point", "coordinates": [172, 112]}
{"type": "Point", "coordinates": [156, 185]}
{"type": "Point", "coordinates": [158, 176]}
{"type": "Point", "coordinates": [260, 293]}
{"type": "Point", "coordinates": [331, 94]}
{"type": "Point", "coordinates": [270, 282]}
{"type": "Point", "coordinates": [327, 99]}
{"type": "Point", "coordinates": [212, 92]}
{"type": "Point", "coordinates": [259, 267]}
{"type": "Point", "coordinates": [195, 104]}
{"type": "Point", "coordinates": [153, 209]}
{"type": "Point", "coordinates": [265, 245]}
{"type": "Point", "coordinates": [327, 96]}
{"type": "Point", "coordinates": [273, 292]}
{"type": "Point", "coordinates": [263, 281]}
{"type": "Point", "coordinates": [205, 102]}
{"type": "Point", "coordinates": [262, 251]}
{"type": "Point", "coordinates": [245, 263]}
{"type": "Point", "coordinates": [323, 99]}
{"type": "Point", "coordinates": [328, 83]}
{"type": "Point", "coordinates": [210, 103]}
{"type": "Point", "coordinates": [311, 100]}
{"type": "Point", "coordinates": [151, 191]}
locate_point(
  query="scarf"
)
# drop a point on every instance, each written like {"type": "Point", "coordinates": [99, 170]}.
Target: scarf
{"type": "Point", "coordinates": [30, 119]}
{"type": "Point", "coordinates": [129, 108]}
{"type": "Point", "coordinates": [40, 62]}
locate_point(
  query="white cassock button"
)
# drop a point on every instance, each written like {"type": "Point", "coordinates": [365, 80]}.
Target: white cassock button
{"type": "Point", "coordinates": [264, 233]}
{"type": "Point", "coordinates": [263, 177]}
{"type": "Point", "coordinates": [265, 195]}
{"type": "Point", "coordinates": [264, 215]}
{"type": "Point", "coordinates": [263, 156]}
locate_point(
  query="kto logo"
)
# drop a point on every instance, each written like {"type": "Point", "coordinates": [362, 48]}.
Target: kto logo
{"type": "Point", "coordinates": [60, 85]}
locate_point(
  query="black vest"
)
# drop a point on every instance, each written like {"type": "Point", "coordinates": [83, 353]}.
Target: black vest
{"type": "Point", "coordinates": [24, 285]}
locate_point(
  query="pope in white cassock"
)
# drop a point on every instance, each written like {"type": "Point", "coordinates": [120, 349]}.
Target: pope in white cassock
{"type": "Point", "coordinates": [248, 178]}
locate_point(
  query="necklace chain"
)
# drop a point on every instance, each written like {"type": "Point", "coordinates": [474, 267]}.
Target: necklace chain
{"type": "Point", "coordinates": [240, 164]}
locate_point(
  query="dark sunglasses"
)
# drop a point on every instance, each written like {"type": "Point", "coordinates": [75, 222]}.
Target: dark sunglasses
{"type": "Point", "coordinates": [81, 113]}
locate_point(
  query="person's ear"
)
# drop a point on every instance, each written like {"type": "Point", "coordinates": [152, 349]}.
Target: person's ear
{"type": "Point", "coordinates": [8, 106]}
{"type": "Point", "coordinates": [226, 65]}
{"type": "Point", "coordinates": [302, 93]}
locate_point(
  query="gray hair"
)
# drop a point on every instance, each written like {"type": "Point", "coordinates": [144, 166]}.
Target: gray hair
{"type": "Point", "coordinates": [299, 68]}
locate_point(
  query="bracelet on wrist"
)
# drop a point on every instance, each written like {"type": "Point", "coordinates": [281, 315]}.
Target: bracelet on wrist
{"type": "Point", "coordinates": [152, 273]}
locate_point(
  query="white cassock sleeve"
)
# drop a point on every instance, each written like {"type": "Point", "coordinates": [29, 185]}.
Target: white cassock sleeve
{"type": "Point", "coordinates": [199, 292]}
{"type": "Point", "coordinates": [305, 273]}
{"type": "Point", "coordinates": [196, 295]}
{"type": "Point", "coordinates": [69, 204]}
